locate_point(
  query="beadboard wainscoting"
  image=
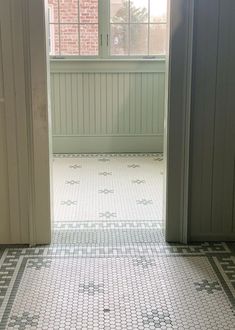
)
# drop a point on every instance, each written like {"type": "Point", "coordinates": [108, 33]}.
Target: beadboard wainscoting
{"type": "Point", "coordinates": [107, 106]}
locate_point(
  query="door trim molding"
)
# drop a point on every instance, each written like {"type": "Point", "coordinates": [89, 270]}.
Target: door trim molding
{"type": "Point", "coordinates": [38, 121]}
{"type": "Point", "coordinates": [177, 123]}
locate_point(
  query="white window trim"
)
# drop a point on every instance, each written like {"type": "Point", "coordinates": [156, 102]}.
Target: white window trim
{"type": "Point", "coordinates": [51, 29]}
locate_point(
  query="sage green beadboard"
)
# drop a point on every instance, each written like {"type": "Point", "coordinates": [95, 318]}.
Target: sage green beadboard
{"type": "Point", "coordinates": [98, 105]}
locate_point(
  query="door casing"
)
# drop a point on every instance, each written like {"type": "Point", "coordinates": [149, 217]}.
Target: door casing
{"type": "Point", "coordinates": [33, 64]}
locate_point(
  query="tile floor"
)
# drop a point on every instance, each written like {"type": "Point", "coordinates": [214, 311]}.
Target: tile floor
{"type": "Point", "coordinates": [116, 274]}
{"type": "Point", "coordinates": [108, 187]}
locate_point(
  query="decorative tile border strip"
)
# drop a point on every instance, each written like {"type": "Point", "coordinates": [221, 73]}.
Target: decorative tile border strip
{"type": "Point", "coordinates": [125, 224]}
{"type": "Point", "coordinates": [15, 261]}
{"type": "Point", "coordinates": [104, 155]}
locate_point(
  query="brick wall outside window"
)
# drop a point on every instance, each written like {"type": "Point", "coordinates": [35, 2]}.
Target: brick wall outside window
{"type": "Point", "coordinates": [77, 32]}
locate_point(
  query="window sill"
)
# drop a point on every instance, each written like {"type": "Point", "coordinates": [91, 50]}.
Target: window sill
{"type": "Point", "coordinates": [103, 60]}
{"type": "Point", "coordinates": [73, 65]}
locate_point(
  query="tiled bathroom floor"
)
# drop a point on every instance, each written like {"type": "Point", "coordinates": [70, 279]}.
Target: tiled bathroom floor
{"type": "Point", "coordinates": [126, 287]}
{"type": "Point", "coordinates": [108, 187]}
{"type": "Point", "coordinates": [111, 273]}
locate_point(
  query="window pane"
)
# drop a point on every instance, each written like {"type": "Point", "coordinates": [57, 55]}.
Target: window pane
{"type": "Point", "coordinates": [119, 11]}
{"type": "Point", "coordinates": [138, 39]}
{"type": "Point", "coordinates": [89, 39]}
{"type": "Point", "coordinates": [157, 39]}
{"type": "Point", "coordinates": [54, 43]}
{"type": "Point", "coordinates": [139, 11]}
{"type": "Point", "coordinates": [68, 11]}
{"type": "Point", "coordinates": [158, 11]}
{"type": "Point", "coordinates": [119, 39]}
{"type": "Point", "coordinates": [88, 11]}
{"type": "Point", "coordinates": [69, 39]}
{"type": "Point", "coordinates": [53, 11]}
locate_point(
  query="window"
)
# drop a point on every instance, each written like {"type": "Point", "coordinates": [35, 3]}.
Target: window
{"type": "Point", "coordinates": [51, 31]}
{"type": "Point", "coordinates": [74, 27]}
{"type": "Point", "coordinates": [116, 28]}
{"type": "Point", "coordinates": [138, 27]}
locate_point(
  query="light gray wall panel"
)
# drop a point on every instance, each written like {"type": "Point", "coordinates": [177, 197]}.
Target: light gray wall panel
{"type": "Point", "coordinates": [4, 200]}
{"type": "Point", "coordinates": [213, 121]}
{"type": "Point", "coordinates": [105, 104]}
{"type": "Point", "coordinates": [176, 139]}
{"type": "Point", "coordinates": [203, 113]}
{"type": "Point", "coordinates": [224, 143]}
{"type": "Point", "coordinates": [24, 164]}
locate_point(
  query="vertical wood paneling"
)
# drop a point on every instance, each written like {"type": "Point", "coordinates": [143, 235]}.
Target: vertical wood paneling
{"type": "Point", "coordinates": [144, 101]}
{"type": "Point", "coordinates": [103, 101]}
{"type": "Point", "coordinates": [68, 95]}
{"type": "Point", "coordinates": [138, 97]}
{"type": "Point", "coordinates": [213, 121]}
{"type": "Point", "coordinates": [63, 107]}
{"type": "Point", "coordinates": [126, 116]}
{"type": "Point", "coordinates": [74, 102]}
{"type": "Point", "coordinates": [120, 104]}
{"type": "Point", "coordinates": [224, 149]}
{"type": "Point", "coordinates": [107, 103]}
{"type": "Point", "coordinates": [80, 104]}
{"type": "Point", "coordinates": [132, 97]}
{"type": "Point", "coordinates": [160, 103]}
{"type": "Point", "coordinates": [98, 103]}
{"type": "Point", "coordinates": [86, 104]}
{"type": "Point", "coordinates": [115, 103]}
{"type": "Point", "coordinates": [149, 109]}
{"type": "Point", "coordinates": [92, 117]}
{"type": "Point", "coordinates": [203, 113]}
{"type": "Point", "coordinates": [109, 109]}
{"type": "Point", "coordinates": [4, 201]}
{"type": "Point", "coordinates": [24, 153]}
{"type": "Point", "coordinates": [56, 119]}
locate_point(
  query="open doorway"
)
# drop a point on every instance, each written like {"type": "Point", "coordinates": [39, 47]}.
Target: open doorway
{"type": "Point", "coordinates": [108, 74]}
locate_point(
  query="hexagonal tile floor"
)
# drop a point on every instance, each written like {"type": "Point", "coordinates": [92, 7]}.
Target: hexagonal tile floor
{"type": "Point", "coordinates": [115, 273]}
{"type": "Point", "coordinates": [125, 287]}
{"type": "Point", "coordinates": [98, 187]}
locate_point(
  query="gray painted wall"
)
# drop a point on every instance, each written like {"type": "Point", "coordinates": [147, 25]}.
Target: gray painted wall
{"type": "Point", "coordinates": [212, 179]}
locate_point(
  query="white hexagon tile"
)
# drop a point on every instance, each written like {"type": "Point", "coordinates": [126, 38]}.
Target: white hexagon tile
{"type": "Point", "coordinates": [113, 270]}
{"type": "Point", "coordinates": [108, 187]}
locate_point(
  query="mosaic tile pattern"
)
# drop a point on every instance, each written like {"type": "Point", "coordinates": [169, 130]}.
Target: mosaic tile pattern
{"type": "Point", "coordinates": [157, 286]}
{"type": "Point", "coordinates": [93, 187]}
{"type": "Point", "coordinates": [108, 273]}
{"type": "Point", "coordinates": [108, 234]}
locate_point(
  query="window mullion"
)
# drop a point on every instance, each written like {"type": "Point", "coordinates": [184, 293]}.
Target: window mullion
{"type": "Point", "coordinates": [103, 28]}
{"type": "Point", "coordinates": [79, 39]}
{"type": "Point", "coordinates": [129, 27]}
{"type": "Point", "coordinates": [59, 27]}
{"type": "Point", "coordinates": [148, 24]}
